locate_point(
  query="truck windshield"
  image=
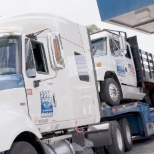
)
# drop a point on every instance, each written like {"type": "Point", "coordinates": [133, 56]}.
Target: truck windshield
{"type": "Point", "coordinates": [9, 55]}
{"type": "Point", "coordinates": [99, 47]}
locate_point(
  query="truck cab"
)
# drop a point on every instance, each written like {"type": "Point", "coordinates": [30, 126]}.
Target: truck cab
{"type": "Point", "coordinates": [115, 68]}
{"type": "Point", "coordinates": [47, 80]}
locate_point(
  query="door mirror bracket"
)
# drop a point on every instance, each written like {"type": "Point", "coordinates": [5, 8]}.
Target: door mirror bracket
{"type": "Point", "coordinates": [36, 83]}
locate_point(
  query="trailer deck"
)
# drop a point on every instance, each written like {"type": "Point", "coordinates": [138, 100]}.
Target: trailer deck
{"type": "Point", "coordinates": [138, 114]}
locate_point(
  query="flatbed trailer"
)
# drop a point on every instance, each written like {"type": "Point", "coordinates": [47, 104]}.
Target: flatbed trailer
{"type": "Point", "coordinates": [134, 119]}
{"type": "Point", "coordinates": [119, 124]}
{"type": "Point", "coordinates": [139, 116]}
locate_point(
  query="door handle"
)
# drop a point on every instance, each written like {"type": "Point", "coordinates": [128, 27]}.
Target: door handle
{"type": "Point", "coordinates": [54, 100]}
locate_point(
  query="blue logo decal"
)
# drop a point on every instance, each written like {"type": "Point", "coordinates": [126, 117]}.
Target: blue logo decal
{"type": "Point", "coordinates": [46, 104]}
{"type": "Point", "coordinates": [120, 67]}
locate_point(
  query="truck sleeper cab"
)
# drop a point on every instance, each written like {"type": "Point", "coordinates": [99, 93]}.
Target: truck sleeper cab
{"type": "Point", "coordinates": [115, 68]}
{"type": "Point", "coordinates": [47, 83]}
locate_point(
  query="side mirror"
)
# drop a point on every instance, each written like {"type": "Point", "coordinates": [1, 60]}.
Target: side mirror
{"type": "Point", "coordinates": [52, 61]}
{"type": "Point", "coordinates": [55, 50]}
{"type": "Point", "coordinates": [122, 43]}
{"type": "Point", "coordinates": [31, 73]}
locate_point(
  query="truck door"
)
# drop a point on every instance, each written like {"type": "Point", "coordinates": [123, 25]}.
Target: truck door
{"type": "Point", "coordinates": [39, 95]}
{"type": "Point", "coordinates": [118, 61]}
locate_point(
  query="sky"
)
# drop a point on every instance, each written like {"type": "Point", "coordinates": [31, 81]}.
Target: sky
{"type": "Point", "coordinates": [84, 12]}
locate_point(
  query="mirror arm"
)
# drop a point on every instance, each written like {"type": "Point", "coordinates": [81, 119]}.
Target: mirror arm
{"type": "Point", "coordinates": [36, 83]}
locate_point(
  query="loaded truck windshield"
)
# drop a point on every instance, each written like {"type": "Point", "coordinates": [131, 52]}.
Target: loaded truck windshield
{"type": "Point", "coordinates": [99, 47]}
{"type": "Point", "coordinates": [9, 55]}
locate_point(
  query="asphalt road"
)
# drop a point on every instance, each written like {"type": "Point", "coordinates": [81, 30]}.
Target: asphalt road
{"type": "Point", "coordinates": [145, 146]}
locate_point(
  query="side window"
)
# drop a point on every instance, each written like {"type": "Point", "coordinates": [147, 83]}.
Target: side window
{"type": "Point", "coordinates": [30, 66]}
{"type": "Point", "coordinates": [58, 51]}
{"type": "Point", "coordinates": [82, 67]}
{"type": "Point", "coordinates": [114, 46]}
{"type": "Point", "coordinates": [39, 56]}
{"type": "Point", "coordinates": [128, 55]}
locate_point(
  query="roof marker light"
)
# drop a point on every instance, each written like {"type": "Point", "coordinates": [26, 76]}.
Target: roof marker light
{"type": "Point", "coordinates": [10, 29]}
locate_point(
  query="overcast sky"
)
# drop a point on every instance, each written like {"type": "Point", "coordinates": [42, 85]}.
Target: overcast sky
{"type": "Point", "coordinates": [84, 12]}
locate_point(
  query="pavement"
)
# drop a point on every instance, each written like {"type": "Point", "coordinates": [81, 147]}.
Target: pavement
{"type": "Point", "coordinates": [143, 146]}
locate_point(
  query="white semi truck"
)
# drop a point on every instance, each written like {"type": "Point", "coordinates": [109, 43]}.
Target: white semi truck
{"type": "Point", "coordinates": [49, 101]}
{"type": "Point", "coordinates": [124, 72]}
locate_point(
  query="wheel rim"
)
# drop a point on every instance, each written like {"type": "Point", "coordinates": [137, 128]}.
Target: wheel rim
{"type": "Point", "coordinates": [119, 139]}
{"type": "Point", "coordinates": [128, 134]}
{"type": "Point", "coordinates": [113, 91]}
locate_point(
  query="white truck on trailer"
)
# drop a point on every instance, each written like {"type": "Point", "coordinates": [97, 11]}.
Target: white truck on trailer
{"type": "Point", "coordinates": [124, 72]}
{"type": "Point", "coordinates": [49, 101]}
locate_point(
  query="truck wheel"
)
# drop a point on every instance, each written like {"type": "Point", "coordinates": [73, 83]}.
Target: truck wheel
{"type": "Point", "coordinates": [117, 146]}
{"type": "Point", "coordinates": [127, 135]}
{"type": "Point", "coordinates": [110, 92]}
{"type": "Point", "coordinates": [22, 148]}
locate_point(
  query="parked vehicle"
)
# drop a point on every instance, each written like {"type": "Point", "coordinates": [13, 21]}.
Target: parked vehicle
{"type": "Point", "coordinates": [124, 72]}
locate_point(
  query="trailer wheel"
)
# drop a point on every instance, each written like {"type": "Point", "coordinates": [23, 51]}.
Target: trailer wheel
{"type": "Point", "coordinates": [110, 92]}
{"type": "Point", "coordinates": [117, 146]}
{"type": "Point", "coordinates": [22, 148]}
{"type": "Point", "coordinates": [127, 135]}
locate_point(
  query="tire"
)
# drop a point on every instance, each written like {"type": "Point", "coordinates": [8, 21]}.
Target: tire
{"type": "Point", "coordinates": [127, 135]}
{"type": "Point", "coordinates": [117, 146]}
{"type": "Point", "coordinates": [110, 92]}
{"type": "Point", "coordinates": [22, 148]}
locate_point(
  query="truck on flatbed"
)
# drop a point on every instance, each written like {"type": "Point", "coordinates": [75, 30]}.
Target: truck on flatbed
{"type": "Point", "coordinates": [124, 72]}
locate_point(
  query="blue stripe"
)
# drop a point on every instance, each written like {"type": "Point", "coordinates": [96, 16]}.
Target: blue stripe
{"type": "Point", "coordinates": [111, 8]}
{"type": "Point", "coordinates": [11, 81]}
{"type": "Point", "coordinates": [1, 152]}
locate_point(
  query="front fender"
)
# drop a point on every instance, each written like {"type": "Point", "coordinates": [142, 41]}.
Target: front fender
{"type": "Point", "coordinates": [13, 122]}
{"type": "Point", "coordinates": [100, 71]}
